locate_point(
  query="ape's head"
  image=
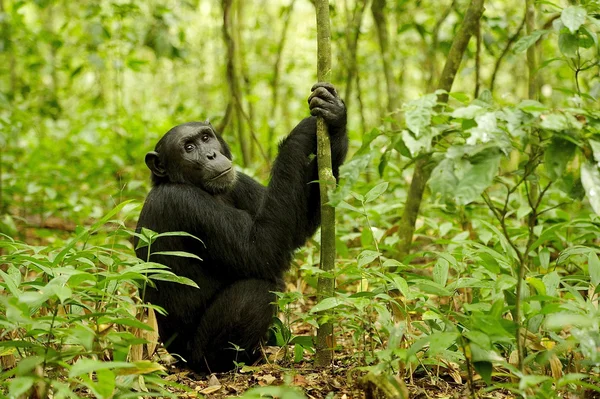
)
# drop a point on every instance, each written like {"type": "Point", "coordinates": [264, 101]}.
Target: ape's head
{"type": "Point", "coordinates": [192, 153]}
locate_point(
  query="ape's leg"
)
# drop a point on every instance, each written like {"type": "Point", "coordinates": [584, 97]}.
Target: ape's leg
{"type": "Point", "coordinates": [241, 315]}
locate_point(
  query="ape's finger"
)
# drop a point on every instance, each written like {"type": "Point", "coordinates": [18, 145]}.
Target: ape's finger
{"type": "Point", "coordinates": [323, 93]}
{"type": "Point", "coordinates": [326, 85]}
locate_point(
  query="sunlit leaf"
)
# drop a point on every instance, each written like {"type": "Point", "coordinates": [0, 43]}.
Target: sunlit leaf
{"type": "Point", "coordinates": [573, 17]}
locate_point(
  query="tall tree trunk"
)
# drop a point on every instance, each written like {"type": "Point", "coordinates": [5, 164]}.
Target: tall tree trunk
{"type": "Point", "coordinates": [233, 79]}
{"type": "Point", "coordinates": [353, 25]}
{"type": "Point", "coordinates": [378, 10]}
{"type": "Point", "coordinates": [424, 165]}
{"type": "Point", "coordinates": [245, 75]}
{"type": "Point", "coordinates": [325, 285]}
{"type": "Point", "coordinates": [531, 55]}
{"type": "Point", "coordinates": [287, 14]}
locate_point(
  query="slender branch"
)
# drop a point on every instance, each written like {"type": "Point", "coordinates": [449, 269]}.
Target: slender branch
{"type": "Point", "coordinates": [325, 285]}
{"type": "Point", "coordinates": [509, 43]}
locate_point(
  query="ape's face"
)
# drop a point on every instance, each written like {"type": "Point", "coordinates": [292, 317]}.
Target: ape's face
{"type": "Point", "coordinates": [193, 153]}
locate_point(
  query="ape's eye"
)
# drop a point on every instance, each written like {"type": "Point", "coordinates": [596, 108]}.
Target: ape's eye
{"type": "Point", "coordinates": [205, 137]}
{"type": "Point", "coordinates": [189, 147]}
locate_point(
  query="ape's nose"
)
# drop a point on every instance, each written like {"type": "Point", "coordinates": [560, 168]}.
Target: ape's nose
{"type": "Point", "coordinates": [211, 155]}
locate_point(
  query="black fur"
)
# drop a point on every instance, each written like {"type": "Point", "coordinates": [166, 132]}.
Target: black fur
{"type": "Point", "coordinates": [249, 233]}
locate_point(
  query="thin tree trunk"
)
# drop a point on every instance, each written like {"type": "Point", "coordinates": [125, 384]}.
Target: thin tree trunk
{"type": "Point", "coordinates": [353, 24]}
{"type": "Point", "coordinates": [478, 60]}
{"type": "Point", "coordinates": [378, 10]}
{"type": "Point", "coordinates": [424, 165]}
{"type": "Point", "coordinates": [532, 87]}
{"type": "Point", "coordinates": [325, 285]}
{"type": "Point", "coordinates": [287, 14]}
{"type": "Point", "coordinates": [233, 80]}
{"type": "Point", "coordinates": [245, 75]}
{"type": "Point", "coordinates": [511, 40]}
{"type": "Point", "coordinates": [433, 48]}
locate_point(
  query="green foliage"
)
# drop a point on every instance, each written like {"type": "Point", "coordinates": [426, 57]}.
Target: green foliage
{"type": "Point", "coordinates": [65, 311]}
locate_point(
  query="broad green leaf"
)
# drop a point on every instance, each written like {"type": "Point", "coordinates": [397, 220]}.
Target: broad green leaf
{"type": "Point", "coordinates": [366, 257]}
{"type": "Point", "coordinates": [532, 106]}
{"type": "Point", "coordinates": [19, 386]}
{"type": "Point", "coordinates": [440, 272]}
{"type": "Point", "coordinates": [537, 284]}
{"type": "Point", "coordinates": [468, 112]}
{"type": "Point", "coordinates": [590, 179]}
{"type": "Point", "coordinates": [326, 304]}
{"type": "Point", "coordinates": [478, 177]}
{"type": "Point", "coordinates": [418, 113]}
{"type": "Point", "coordinates": [551, 281]}
{"type": "Point", "coordinates": [85, 366]}
{"type": "Point", "coordinates": [573, 17]}
{"type": "Point", "coordinates": [558, 154]}
{"type": "Point", "coordinates": [595, 149]}
{"type": "Point", "coordinates": [376, 191]}
{"type": "Point", "coordinates": [559, 321]}
{"type": "Point", "coordinates": [431, 287]}
{"type": "Point", "coordinates": [594, 268]}
{"type": "Point", "coordinates": [485, 370]}
{"type": "Point", "coordinates": [443, 181]}
{"type": "Point", "coordinates": [568, 44]}
{"type": "Point", "coordinates": [440, 341]}
{"type": "Point", "coordinates": [527, 41]}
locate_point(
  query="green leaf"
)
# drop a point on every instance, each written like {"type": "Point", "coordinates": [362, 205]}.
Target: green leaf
{"type": "Point", "coordinates": [326, 304]}
{"type": "Point", "coordinates": [568, 44]}
{"type": "Point", "coordinates": [440, 272]}
{"type": "Point", "coordinates": [527, 41]}
{"type": "Point", "coordinates": [419, 112]}
{"type": "Point", "coordinates": [19, 386]}
{"type": "Point", "coordinates": [366, 257]}
{"type": "Point", "coordinates": [298, 353]}
{"type": "Point", "coordinates": [477, 177]}
{"type": "Point", "coordinates": [558, 154]}
{"type": "Point", "coordinates": [573, 17]}
{"type": "Point", "coordinates": [559, 321]}
{"type": "Point", "coordinates": [376, 191]}
{"type": "Point", "coordinates": [485, 370]}
{"type": "Point", "coordinates": [430, 287]}
{"type": "Point", "coordinates": [177, 253]}
{"type": "Point", "coordinates": [443, 181]}
{"type": "Point", "coordinates": [85, 366]}
{"type": "Point", "coordinates": [594, 268]}
{"type": "Point", "coordinates": [532, 106]}
{"type": "Point", "coordinates": [590, 179]}
{"type": "Point", "coordinates": [440, 341]}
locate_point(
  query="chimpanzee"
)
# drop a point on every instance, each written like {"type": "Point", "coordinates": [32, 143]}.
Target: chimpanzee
{"type": "Point", "coordinates": [248, 232]}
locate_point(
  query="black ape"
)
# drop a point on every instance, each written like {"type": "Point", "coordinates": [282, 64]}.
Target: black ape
{"type": "Point", "coordinates": [249, 232]}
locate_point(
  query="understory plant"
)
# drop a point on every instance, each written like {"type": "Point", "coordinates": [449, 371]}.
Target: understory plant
{"type": "Point", "coordinates": [71, 316]}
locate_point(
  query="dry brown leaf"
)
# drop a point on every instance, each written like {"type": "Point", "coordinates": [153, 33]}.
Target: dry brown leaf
{"type": "Point", "coordinates": [211, 389]}
{"type": "Point", "coordinates": [266, 379]}
{"type": "Point", "coordinates": [556, 367]}
{"type": "Point", "coordinates": [152, 336]}
{"type": "Point", "coordinates": [213, 381]}
{"type": "Point", "coordinates": [299, 381]}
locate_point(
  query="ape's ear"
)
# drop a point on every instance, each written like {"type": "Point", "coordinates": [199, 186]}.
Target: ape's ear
{"type": "Point", "coordinates": [154, 164]}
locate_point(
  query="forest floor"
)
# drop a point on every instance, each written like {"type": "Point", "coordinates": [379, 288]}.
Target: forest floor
{"type": "Point", "coordinates": [342, 379]}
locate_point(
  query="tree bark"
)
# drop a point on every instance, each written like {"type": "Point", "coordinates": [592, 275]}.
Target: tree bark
{"type": "Point", "coordinates": [424, 165]}
{"type": "Point", "coordinates": [287, 14]}
{"type": "Point", "coordinates": [353, 24]}
{"type": "Point", "coordinates": [378, 10]}
{"type": "Point", "coordinates": [325, 285]}
{"type": "Point", "coordinates": [532, 87]}
{"type": "Point", "coordinates": [233, 79]}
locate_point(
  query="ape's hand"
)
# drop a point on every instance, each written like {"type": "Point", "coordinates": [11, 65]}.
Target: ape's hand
{"type": "Point", "coordinates": [324, 101]}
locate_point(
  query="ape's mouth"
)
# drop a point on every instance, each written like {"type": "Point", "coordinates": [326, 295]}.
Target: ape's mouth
{"type": "Point", "coordinates": [223, 173]}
